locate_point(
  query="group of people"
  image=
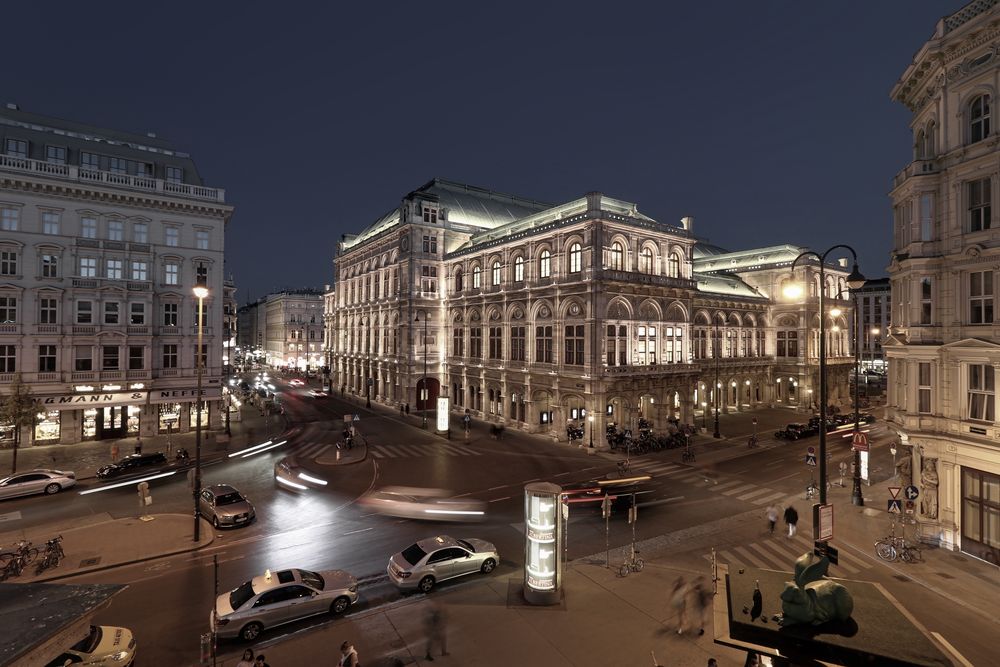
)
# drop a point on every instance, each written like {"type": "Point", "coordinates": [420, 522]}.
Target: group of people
{"type": "Point", "coordinates": [791, 517]}
{"type": "Point", "coordinates": [249, 660]}
{"type": "Point", "coordinates": [691, 600]}
{"type": "Point", "coordinates": [348, 658]}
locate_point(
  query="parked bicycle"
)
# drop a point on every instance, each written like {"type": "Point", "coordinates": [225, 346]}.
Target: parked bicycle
{"type": "Point", "coordinates": [687, 456]}
{"type": "Point", "coordinates": [53, 555]}
{"type": "Point", "coordinates": [12, 567]}
{"type": "Point", "coordinates": [633, 563]}
{"type": "Point", "coordinates": [891, 548]}
{"type": "Point", "coordinates": [752, 442]}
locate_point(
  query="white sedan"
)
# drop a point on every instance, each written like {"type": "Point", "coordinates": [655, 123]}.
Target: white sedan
{"type": "Point", "coordinates": [426, 504]}
{"type": "Point", "coordinates": [36, 481]}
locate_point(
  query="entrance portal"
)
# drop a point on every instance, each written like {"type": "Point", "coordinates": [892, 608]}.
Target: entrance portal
{"type": "Point", "coordinates": [110, 422]}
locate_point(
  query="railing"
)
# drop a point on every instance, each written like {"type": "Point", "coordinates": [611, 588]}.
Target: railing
{"type": "Point", "coordinates": [139, 286]}
{"type": "Point", "coordinates": [636, 277]}
{"type": "Point", "coordinates": [112, 375]}
{"type": "Point", "coordinates": [48, 377]}
{"type": "Point", "coordinates": [114, 245]}
{"type": "Point", "coordinates": [170, 331]}
{"type": "Point", "coordinates": [77, 376]}
{"type": "Point", "coordinates": [84, 282]}
{"type": "Point", "coordinates": [7, 378]}
{"type": "Point", "coordinates": [138, 247]}
{"type": "Point", "coordinates": [88, 243]}
{"type": "Point", "coordinates": [8, 328]}
{"type": "Point", "coordinates": [133, 182]}
{"type": "Point", "coordinates": [138, 374]}
{"type": "Point", "coordinates": [47, 328]}
{"type": "Point", "coordinates": [137, 330]}
{"type": "Point", "coordinates": [85, 330]}
{"type": "Point", "coordinates": [915, 168]}
{"type": "Point", "coordinates": [167, 372]}
{"type": "Point", "coordinates": [645, 369]}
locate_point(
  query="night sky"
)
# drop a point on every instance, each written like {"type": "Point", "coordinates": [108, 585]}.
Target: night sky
{"type": "Point", "coordinates": [767, 121]}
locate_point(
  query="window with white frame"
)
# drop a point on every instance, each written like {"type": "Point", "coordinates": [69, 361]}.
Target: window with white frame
{"type": "Point", "coordinates": [545, 264]}
{"type": "Point", "coordinates": [170, 314]}
{"type": "Point", "coordinates": [673, 345]}
{"type": "Point", "coordinates": [926, 303]}
{"type": "Point", "coordinates": [981, 297]}
{"type": "Point", "coordinates": [519, 269]}
{"type": "Point", "coordinates": [55, 154]}
{"type": "Point", "coordinates": [47, 358]}
{"type": "Point", "coordinates": [88, 227]}
{"type": "Point", "coordinates": [114, 269]}
{"type": "Point", "coordinates": [979, 118]}
{"type": "Point", "coordinates": [575, 258]}
{"type": "Point", "coordinates": [171, 273]}
{"type": "Point", "coordinates": [477, 277]}
{"type": "Point", "coordinates": [90, 161]}
{"type": "Point", "coordinates": [616, 345]}
{"type": "Point", "coordinates": [171, 236]}
{"type": "Point", "coordinates": [137, 313]}
{"type": "Point", "coordinates": [979, 205]}
{"type": "Point", "coordinates": [8, 309]}
{"type": "Point", "coordinates": [201, 239]}
{"type": "Point", "coordinates": [673, 265]}
{"type": "Point", "coordinates": [48, 310]}
{"type": "Point", "coordinates": [495, 274]}
{"type": "Point", "coordinates": [981, 392]}
{"type": "Point", "coordinates": [116, 230]}
{"type": "Point", "coordinates": [646, 261]}
{"type": "Point", "coordinates": [85, 312]}
{"type": "Point", "coordinates": [924, 388]}
{"type": "Point", "coordinates": [8, 262]}
{"type": "Point", "coordinates": [617, 256]}
{"type": "Point", "coordinates": [88, 267]}
{"type": "Point", "coordinates": [140, 270]}
{"type": "Point", "coordinates": [50, 222]}
{"type": "Point", "coordinates": [17, 147]}
{"type": "Point", "coordinates": [428, 280]}
{"type": "Point", "coordinates": [645, 345]}
{"type": "Point", "coordinates": [140, 232]}
{"type": "Point", "coordinates": [112, 312]}
{"type": "Point", "coordinates": [9, 218]}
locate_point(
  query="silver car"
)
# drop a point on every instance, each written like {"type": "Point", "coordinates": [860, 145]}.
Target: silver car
{"type": "Point", "coordinates": [426, 504]}
{"type": "Point", "coordinates": [224, 506]}
{"type": "Point", "coordinates": [36, 481]}
{"type": "Point", "coordinates": [276, 598]}
{"type": "Point", "coordinates": [422, 565]}
{"type": "Point", "coordinates": [290, 475]}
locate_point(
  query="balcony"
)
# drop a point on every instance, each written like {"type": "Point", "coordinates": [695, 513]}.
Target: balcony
{"type": "Point", "coordinates": [73, 173]}
{"type": "Point", "coordinates": [170, 331]}
{"type": "Point", "coordinates": [137, 330]}
{"type": "Point", "coordinates": [167, 372]}
{"type": "Point", "coordinates": [8, 328]}
{"type": "Point", "coordinates": [139, 285]}
{"type": "Point", "coordinates": [112, 375]}
{"type": "Point", "coordinates": [114, 245]}
{"type": "Point", "coordinates": [139, 247]}
{"type": "Point", "coordinates": [47, 328]}
{"type": "Point", "coordinates": [647, 369]}
{"type": "Point", "coordinates": [915, 168]}
{"type": "Point", "coordinates": [637, 278]}
{"type": "Point", "coordinates": [48, 377]}
{"type": "Point", "coordinates": [84, 330]}
{"type": "Point", "coordinates": [81, 376]}
{"type": "Point", "coordinates": [85, 282]}
{"type": "Point", "coordinates": [138, 374]}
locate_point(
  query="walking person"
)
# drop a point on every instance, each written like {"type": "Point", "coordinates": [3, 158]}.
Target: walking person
{"type": "Point", "coordinates": [138, 446]}
{"type": "Point", "coordinates": [114, 452]}
{"type": "Point", "coordinates": [407, 409]}
{"type": "Point", "coordinates": [260, 662]}
{"type": "Point", "coordinates": [698, 599]}
{"type": "Point", "coordinates": [434, 626]}
{"type": "Point", "coordinates": [247, 659]}
{"type": "Point", "coordinates": [772, 517]}
{"type": "Point", "coordinates": [678, 595]}
{"type": "Point", "coordinates": [791, 518]}
{"type": "Point", "coordinates": [348, 656]}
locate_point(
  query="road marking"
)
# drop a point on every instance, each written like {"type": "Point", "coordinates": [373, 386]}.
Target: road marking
{"type": "Point", "coordinates": [496, 500]}
{"type": "Point", "coordinates": [537, 479]}
{"type": "Point", "coordinates": [568, 472]}
{"type": "Point", "coordinates": [358, 531]}
{"type": "Point", "coordinates": [729, 483]}
{"type": "Point", "coordinates": [10, 516]}
{"type": "Point", "coordinates": [748, 496]}
{"type": "Point", "coordinates": [769, 498]}
{"type": "Point", "coordinates": [753, 560]}
{"type": "Point", "coordinates": [951, 649]}
{"type": "Point", "coordinates": [738, 489]}
{"type": "Point", "coordinates": [494, 488]}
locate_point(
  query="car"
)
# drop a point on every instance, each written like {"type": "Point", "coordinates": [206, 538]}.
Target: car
{"type": "Point", "coordinates": [796, 431]}
{"type": "Point", "coordinates": [104, 645]}
{"type": "Point", "coordinates": [136, 464]}
{"type": "Point", "coordinates": [289, 474]}
{"type": "Point", "coordinates": [276, 598]}
{"type": "Point", "coordinates": [410, 502]}
{"type": "Point", "coordinates": [317, 393]}
{"type": "Point", "coordinates": [40, 480]}
{"type": "Point", "coordinates": [426, 563]}
{"type": "Point", "coordinates": [620, 492]}
{"type": "Point", "coordinates": [296, 382]}
{"type": "Point", "coordinates": [225, 507]}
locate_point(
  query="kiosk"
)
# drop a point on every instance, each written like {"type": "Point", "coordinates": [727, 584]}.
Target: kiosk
{"type": "Point", "coordinates": [543, 520]}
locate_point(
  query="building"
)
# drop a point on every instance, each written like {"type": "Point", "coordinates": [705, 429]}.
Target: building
{"type": "Point", "coordinates": [285, 329]}
{"type": "Point", "coordinates": [229, 322]}
{"type": "Point", "coordinates": [535, 314]}
{"type": "Point", "coordinates": [875, 309]}
{"type": "Point", "coordinates": [943, 347]}
{"type": "Point", "coordinates": [103, 236]}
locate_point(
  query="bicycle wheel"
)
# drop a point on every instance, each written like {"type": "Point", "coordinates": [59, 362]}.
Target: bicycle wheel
{"type": "Point", "coordinates": [885, 551]}
{"type": "Point", "coordinates": [623, 570]}
{"type": "Point", "coordinates": [30, 555]}
{"type": "Point", "coordinates": [638, 564]}
{"type": "Point", "coordinates": [906, 555]}
{"type": "Point", "coordinates": [5, 558]}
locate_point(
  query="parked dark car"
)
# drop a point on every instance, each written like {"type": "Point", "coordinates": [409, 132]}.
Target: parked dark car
{"type": "Point", "coordinates": [135, 464]}
{"type": "Point", "coordinates": [796, 431]}
{"type": "Point", "coordinates": [832, 422]}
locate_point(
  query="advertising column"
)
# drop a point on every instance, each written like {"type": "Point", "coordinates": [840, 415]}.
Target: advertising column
{"type": "Point", "coordinates": [543, 542]}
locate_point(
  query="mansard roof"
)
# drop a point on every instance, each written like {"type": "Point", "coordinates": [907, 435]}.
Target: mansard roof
{"type": "Point", "coordinates": [725, 285]}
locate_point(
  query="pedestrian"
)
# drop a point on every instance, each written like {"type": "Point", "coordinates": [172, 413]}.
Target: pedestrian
{"type": "Point", "coordinates": [772, 517]}
{"type": "Point", "coordinates": [434, 626]}
{"type": "Point", "coordinates": [114, 452]}
{"type": "Point", "coordinates": [678, 594]}
{"type": "Point", "coordinates": [400, 409]}
{"type": "Point", "coordinates": [698, 599]}
{"type": "Point", "coordinates": [138, 446]}
{"type": "Point", "coordinates": [247, 659]}
{"type": "Point", "coordinates": [791, 518]}
{"type": "Point", "coordinates": [260, 662]}
{"type": "Point", "coordinates": [407, 409]}
{"type": "Point", "coordinates": [348, 656]}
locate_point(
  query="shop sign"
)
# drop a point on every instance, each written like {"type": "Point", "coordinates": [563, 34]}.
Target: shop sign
{"type": "Point", "coordinates": [183, 395]}
{"type": "Point", "coordinates": [69, 401]}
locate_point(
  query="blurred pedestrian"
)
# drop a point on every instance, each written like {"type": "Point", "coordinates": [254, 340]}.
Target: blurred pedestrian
{"type": "Point", "coordinates": [678, 594]}
{"type": "Point", "coordinates": [407, 409]}
{"type": "Point", "coordinates": [772, 517]}
{"type": "Point", "coordinates": [138, 446]}
{"type": "Point", "coordinates": [260, 662]}
{"type": "Point", "coordinates": [791, 518]}
{"type": "Point", "coordinates": [698, 598]}
{"type": "Point", "coordinates": [114, 452]}
{"type": "Point", "coordinates": [247, 659]}
{"type": "Point", "coordinates": [348, 656]}
{"type": "Point", "coordinates": [400, 409]}
{"type": "Point", "coordinates": [434, 627]}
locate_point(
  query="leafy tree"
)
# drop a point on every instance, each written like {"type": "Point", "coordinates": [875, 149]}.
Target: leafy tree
{"type": "Point", "coordinates": [19, 409]}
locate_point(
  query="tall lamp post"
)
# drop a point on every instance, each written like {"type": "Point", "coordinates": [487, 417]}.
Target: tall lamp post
{"type": "Point", "coordinates": [716, 352]}
{"type": "Point", "coordinates": [854, 280]}
{"type": "Point", "coordinates": [200, 291]}
{"type": "Point", "coordinates": [423, 382]}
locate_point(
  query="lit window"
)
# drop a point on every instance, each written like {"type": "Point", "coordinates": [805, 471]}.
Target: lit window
{"type": "Point", "coordinates": [477, 275]}
{"type": "Point", "coordinates": [519, 270]}
{"type": "Point", "coordinates": [617, 256]}
{"type": "Point", "coordinates": [575, 258]}
{"type": "Point", "coordinates": [646, 261]}
{"type": "Point", "coordinates": [496, 273]}
{"type": "Point", "coordinates": [88, 267]}
{"type": "Point", "coordinates": [545, 264]}
{"type": "Point", "coordinates": [673, 266]}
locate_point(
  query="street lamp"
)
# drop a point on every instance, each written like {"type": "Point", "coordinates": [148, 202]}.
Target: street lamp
{"type": "Point", "coordinates": [229, 404]}
{"type": "Point", "coordinates": [704, 415]}
{"type": "Point", "coordinates": [590, 418]}
{"type": "Point", "coordinates": [856, 496]}
{"type": "Point", "coordinates": [424, 381]}
{"type": "Point", "coordinates": [854, 280]}
{"type": "Point", "coordinates": [718, 386]}
{"type": "Point", "coordinates": [200, 291]}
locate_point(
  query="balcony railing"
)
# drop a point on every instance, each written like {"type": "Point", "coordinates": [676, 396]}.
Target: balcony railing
{"type": "Point", "coordinates": [47, 328]}
{"type": "Point", "coordinates": [133, 182]}
{"type": "Point", "coordinates": [84, 330]}
{"type": "Point", "coordinates": [77, 376]}
{"type": "Point", "coordinates": [85, 282]}
{"type": "Point", "coordinates": [8, 328]}
{"type": "Point", "coordinates": [139, 286]}
{"type": "Point", "coordinates": [138, 374]}
{"type": "Point", "coordinates": [915, 168]}
{"type": "Point", "coordinates": [137, 330]}
{"type": "Point", "coordinates": [638, 278]}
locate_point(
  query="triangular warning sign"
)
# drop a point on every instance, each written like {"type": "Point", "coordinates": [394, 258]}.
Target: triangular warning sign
{"type": "Point", "coordinates": [894, 491]}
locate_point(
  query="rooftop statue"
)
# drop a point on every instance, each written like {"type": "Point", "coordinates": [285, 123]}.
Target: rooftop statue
{"type": "Point", "coordinates": [812, 598]}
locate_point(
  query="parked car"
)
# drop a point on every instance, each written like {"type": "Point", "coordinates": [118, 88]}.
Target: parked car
{"type": "Point", "coordinates": [426, 563]}
{"type": "Point", "coordinates": [276, 598]}
{"type": "Point", "coordinates": [796, 431]}
{"type": "Point", "coordinates": [105, 645]}
{"type": "Point", "coordinates": [136, 464]}
{"type": "Point", "coordinates": [40, 480]}
{"type": "Point", "coordinates": [289, 474]}
{"type": "Point", "coordinates": [225, 507]}
{"type": "Point", "coordinates": [426, 504]}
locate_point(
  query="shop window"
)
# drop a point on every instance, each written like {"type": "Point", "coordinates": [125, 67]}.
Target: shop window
{"type": "Point", "coordinates": [47, 427]}
{"type": "Point", "coordinates": [169, 417]}
{"type": "Point", "coordinates": [194, 414]}
{"type": "Point", "coordinates": [132, 420]}
{"type": "Point", "coordinates": [90, 423]}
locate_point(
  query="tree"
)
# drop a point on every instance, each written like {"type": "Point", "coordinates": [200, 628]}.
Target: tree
{"type": "Point", "coordinates": [19, 409]}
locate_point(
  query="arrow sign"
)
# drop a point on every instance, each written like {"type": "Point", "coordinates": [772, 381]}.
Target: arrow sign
{"type": "Point", "coordinates": [911, 492]}
{"type": "Point", "coordinates": [894, 491]}
{"type": "Point", "coordinates": [895, 506]}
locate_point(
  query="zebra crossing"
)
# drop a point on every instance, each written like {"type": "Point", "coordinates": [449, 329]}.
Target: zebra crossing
{"type": "Point", "coordinates": [734, 488]}
{"type": "Point", "coordinates": [778, 552]}
{"type": "Point", "coordinates": [315, 450]}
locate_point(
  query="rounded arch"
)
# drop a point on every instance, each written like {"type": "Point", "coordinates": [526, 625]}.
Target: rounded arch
{"type": "Point", "coordinates": [619, 309]}
{"type": "Point", "coordinates": [734, 320]}
{"type": "Point", "coordinates": [676, 312]}
{"type": "Point", "coordinates": [394, 257]}
{"type": "Point", "coordinates": [474, 315]}
{"type": "Point", "coordinates": [649, 258]}
{"type": "Point", "coordinates": [516, 311]}
{"type": "Point", "coordinates": [702, 318]}
{"type": "Point", "coordinates": [517, 264]}
{"type": "Point", "coordinates": [749, 320]}
{"type": "Point", "coordinates": [456, 316]}
{"type": "Point", "coordinates": [542, 310]}
{"type": "Point", "coordinates": [574, 308]}
{"type": "Point", "coordinates": [674, 261]}
{"type": "Point", "coordinates": [649, 311]}
{"type": "Point", "coordinates": [494, 314]}
{"type": "Point", "coordinates": [617, 259]}
{"type": "Point", "coordinates": [787, 320]}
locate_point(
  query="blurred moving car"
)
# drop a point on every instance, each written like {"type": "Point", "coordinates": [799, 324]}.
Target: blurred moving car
{"type": "Point", "coordinates": [317, 393]}
{"type": "Point", "coordinates": [296, 382]}
{"type": "Point", "coordinates": [40, 480]}
{"type": "Point", "coordinates": [225, 507]}
{"type": "Point", "coordinates": [428, 562]}
{"type": "Point", "coordinates": [409, 502]}
{"type": "Point", "coordinates": [276, 598]}
{"type": "Point", "coordinates": [620, 492]}
{"type": "Point", "coordinates": [136, 464]}
{"type": "Point", "coordinates": [105, 645]}
{"type": "Point", "coordinates": [289, 474]}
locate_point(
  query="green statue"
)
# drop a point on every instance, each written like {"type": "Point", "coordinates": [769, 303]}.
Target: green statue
{"type": "Point", "coordinates": [812, 598]}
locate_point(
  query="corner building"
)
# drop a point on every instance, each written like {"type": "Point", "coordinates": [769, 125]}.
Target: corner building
{"type": "Point", "coordinates": [535, 315]}
{"type": "Point", "coordinates": [944, 345]}
{"type": "Point", "coordinates": [103, 235]}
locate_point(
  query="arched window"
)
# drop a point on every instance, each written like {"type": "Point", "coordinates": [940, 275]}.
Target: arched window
{"type": "Point", "coordinates": [575, 258]}
{"type": "Point", "coordinates": [673, 265]}
{"type": "Point", "coordinates": [545, 264]}
{"type": "Point", "coordinates": [617, 256]}
{"type": "Point", "coordinates": [458, 281]}
{"type": "Point", "coordinates": [496, 273]}
{"type": "Point", "coordinates": [646, 261]}
{"type": "Point", "coordinates": [477, 278]}
{"type": "Point", "coordinates": [519, 270]}
{"type": "Point", "coordinates": [979, 118]}
{"type": "Point", "coordinates": [930, 140]}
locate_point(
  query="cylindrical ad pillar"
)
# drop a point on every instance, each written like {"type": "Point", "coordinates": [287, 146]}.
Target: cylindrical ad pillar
{"type": "Point", "coordinates": [542, 543]}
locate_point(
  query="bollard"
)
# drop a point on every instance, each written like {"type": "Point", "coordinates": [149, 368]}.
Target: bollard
{"type": "Point", "coordinates": [338, 454]}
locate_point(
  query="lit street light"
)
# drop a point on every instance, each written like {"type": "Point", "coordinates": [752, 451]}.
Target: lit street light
{"type": "Point", "coordinates": [200, 291]}
{"type": "Point", "coordinates": [424, 393]}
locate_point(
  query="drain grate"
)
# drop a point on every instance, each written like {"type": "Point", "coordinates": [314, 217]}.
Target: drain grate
{"type": "Point", "coordinates": [87, 562]}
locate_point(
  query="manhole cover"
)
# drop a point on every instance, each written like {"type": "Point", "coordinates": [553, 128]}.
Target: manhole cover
{"type": "Point", "coordinates": [944, 575]}
{"type": "Point", "coordinates": [87, 562]}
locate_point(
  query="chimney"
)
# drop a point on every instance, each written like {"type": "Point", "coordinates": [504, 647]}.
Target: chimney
{"type": "Point", "coordinates": [687, 222]}
{"type": "Point", "coordinates": [843, 262]}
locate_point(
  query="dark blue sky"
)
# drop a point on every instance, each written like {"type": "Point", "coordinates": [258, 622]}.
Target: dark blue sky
{"type": "Point", "coordinates": [769, 122]}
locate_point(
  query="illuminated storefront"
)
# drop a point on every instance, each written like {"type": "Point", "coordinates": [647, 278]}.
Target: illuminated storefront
{"type": "Point", "coordinates": [47, 428]}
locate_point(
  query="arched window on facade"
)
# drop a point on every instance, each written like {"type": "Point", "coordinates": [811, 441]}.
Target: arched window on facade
{"type": "Point", "coordinates": [575, 258]}
{"type": "Point", "coordinates": [646, 261]}
{"type": "Point", "coordinates": [673, 265]}
{"type": "Point", "coordinates": [617, 257]}
{"type": "Point", "coordinates": [458, 281]}
{"type": "Point", "coordinates": [519, 269]}
{"type": "Point", "coordinates": [979, 118]}
{"type": "Point", "coordinates": [545, 264]}
{"type": "Point", "coordinates": [495, 273]}
{"type": "Point", "coordinates": [477, 277]}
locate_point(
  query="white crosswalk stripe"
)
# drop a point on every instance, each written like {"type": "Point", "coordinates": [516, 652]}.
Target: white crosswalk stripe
{"type": "Point", "coordinates": [778, 552]}
{"type": "Point", "coordinates": [751, 494]}
{"type": "Point", "coordinates": [723, 485]}
{"type": "Point", "coordinates": [738, 489]}
{"type": "Point", "coordinates": [314, 450]}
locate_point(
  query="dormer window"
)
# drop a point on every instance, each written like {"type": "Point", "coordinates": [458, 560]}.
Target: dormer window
{"type": "Point", "coordinates": [17, 148]}
{"type": "Point", "coordinates": [430, 214]}
{"type": "Point", "coordinates": [979, 118]}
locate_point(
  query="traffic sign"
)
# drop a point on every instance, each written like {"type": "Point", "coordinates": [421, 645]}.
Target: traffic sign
{"type": "Point", "coordinates": [859, 441]}
{"type": "Point", "coordinates": [811, 449]}
{"type": "Point", "coordinates": [895, 506]}
{"type": "Point", "coordinates": [357, 418]}
{"type": "Point", "coordinates": [823, 522]}
{"type": "Point", "coordinates": [911, 492]}
{"type": "Point", "coordinates": [894, 491]}
{"type": "Point", "coordinates": [909, 506]}
{"type": "Point", "coordinates": [824, 549]}
{"type": "Point", "coordinates": [810, 459]}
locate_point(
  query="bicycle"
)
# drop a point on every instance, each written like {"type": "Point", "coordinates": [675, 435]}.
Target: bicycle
{"type": "Point", "coordinates": [12, 568]}
{"type": "Point", "coordinates": [53, 555]}
{"type": "Point", "coordinates": [687, 456]}
{"type": "Point", "coordinates": [633, 563]}
{"type": "Point", "coordinates": [888, 548]}
{"type": "Point", "coordinates": [752, 442]}
{"type": "Point", "coordinates": [27, 552]}
{"type": "Point", "coordinates": [624, 467]}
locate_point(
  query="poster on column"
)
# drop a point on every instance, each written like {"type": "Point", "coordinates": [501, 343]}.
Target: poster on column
{"type": "Point", "coordinates": [442, 414]}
